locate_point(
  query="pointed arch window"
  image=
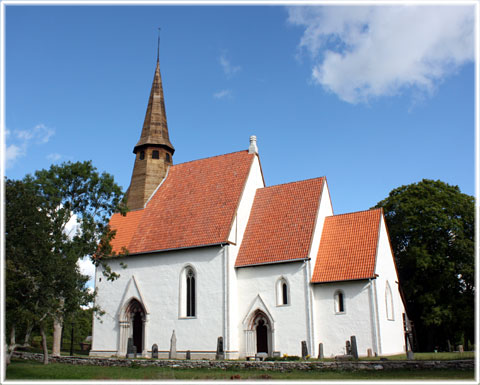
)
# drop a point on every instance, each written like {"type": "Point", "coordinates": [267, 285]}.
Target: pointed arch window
{"type": "Point", "coordinates": [339, 298]}
{"type": "Point", "coordinates": [142, 155]}
{"type": "Point", "coordinates": [188, 293]}
{"type": "Point", "coordinates": [167, 157]}
{"type": "Point", "coordinates": [282, 292]}
{"type": "Point", "coordinates": [389, 302]}
{"type": "Point", "coordinates": [190, 300]}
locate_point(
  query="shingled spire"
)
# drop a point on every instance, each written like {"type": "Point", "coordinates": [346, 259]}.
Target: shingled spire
{"type": "Point", "coordinates": [153, 152]}
{"type": "Point", "coordinates": [155, 128]}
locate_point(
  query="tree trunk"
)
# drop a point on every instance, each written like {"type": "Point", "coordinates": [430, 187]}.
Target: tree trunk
{"type": "Point", "coordinates": [28, 333]}
{"type": "Point", "coordinates": [44, 345]}
{"type": "Point", "coordinates": [11, 346]}
{"type": "Point", "coordinates": [57, 337]}
{"type": "Point", "coordinates": [57, 331]}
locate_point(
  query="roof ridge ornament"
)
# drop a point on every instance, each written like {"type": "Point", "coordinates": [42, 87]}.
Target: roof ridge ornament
{"type": "Point", "coordinates": [253, 149]}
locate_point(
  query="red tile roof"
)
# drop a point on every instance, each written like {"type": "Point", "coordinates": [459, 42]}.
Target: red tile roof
{"type": "Point", "coordinates": [348, 247]}
{"type": "Point", "coordinates": [194, 206]}
{"type": "Point", "coordinates": [281, 223]}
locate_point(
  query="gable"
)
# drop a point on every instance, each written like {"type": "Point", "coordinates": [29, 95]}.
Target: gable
{"type": "Point", "coordinates": [281, 223]}
{"type": "Point", "coordinates": [194, 206]}
{"type": "Point", "coordinates": [348, 247]}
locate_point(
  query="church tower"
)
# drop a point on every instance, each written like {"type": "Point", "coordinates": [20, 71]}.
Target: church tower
{"type": "Point", "coordinates": [153, 152]}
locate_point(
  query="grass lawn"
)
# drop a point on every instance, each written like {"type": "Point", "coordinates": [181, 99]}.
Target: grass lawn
{"type": "Point", "coordinates": [429, 356]}
{"type": "Point", "coordinates": [30, 370]}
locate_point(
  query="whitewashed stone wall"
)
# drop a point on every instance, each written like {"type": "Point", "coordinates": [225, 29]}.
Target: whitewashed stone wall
{"type": "Point", "coordinates": [257, 290]}
{"type": "Point", "coordinates": [254, 181]}
{"type": "Point", "coordinates": [392, 339]}
{"type": "Point", "coordinates": [334, 328]}
{"type": "Point", "coordinates": [154, 280]}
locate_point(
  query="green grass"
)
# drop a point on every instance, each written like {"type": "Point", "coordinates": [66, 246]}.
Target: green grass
{"type": "Point", "coordinates": [429, 356]}
{"type": "Point", "coordinates": [29, 370]}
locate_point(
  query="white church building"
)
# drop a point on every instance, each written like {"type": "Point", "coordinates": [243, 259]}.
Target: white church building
{"type": "Point", "coordinates": [213, 252]}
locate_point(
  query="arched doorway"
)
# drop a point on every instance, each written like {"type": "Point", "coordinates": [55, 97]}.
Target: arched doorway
{"type": "Point", "coordinates": [262, 337]}
{"type": "Point", "coordinates": [262, 328]}
{"type": "Point", "coordinates": [135, 315]}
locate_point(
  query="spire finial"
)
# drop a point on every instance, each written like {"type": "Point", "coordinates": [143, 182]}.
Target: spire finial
{"type": "Point", "coordinates": [158, 45]}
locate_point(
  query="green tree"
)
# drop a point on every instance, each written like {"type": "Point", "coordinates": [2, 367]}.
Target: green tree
{"type": "Point", "coordinates": [431, 226]}
{"type": "Point", "coordinates": [43, 279]}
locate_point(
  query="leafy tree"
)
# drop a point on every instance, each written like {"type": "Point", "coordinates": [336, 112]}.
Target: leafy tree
{"type": "Point", "coordinates": [431, 226]}
{"type": "Point", "coordinates": [43, 279]}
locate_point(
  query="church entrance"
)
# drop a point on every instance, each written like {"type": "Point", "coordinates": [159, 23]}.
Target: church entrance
{"type": "Point", "coordinates": [259, 335]}
{"type": "Point", "coordinates": [262, 337]}
{"type": "Point", "coordinates": [136, 320]}
{"type": "Point", "coordinates": [138, 332]}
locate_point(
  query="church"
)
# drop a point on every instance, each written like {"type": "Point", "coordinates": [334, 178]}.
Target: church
{"type": "Point", "coordinates": [213, 252]}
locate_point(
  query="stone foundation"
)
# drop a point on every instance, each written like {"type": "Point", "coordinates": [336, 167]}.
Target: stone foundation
{"type": "Point", "coordinates": [279, 366]}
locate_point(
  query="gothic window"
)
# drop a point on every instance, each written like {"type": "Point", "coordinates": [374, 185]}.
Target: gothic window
{"type": "Point", "coordinates": [389, 302]}
{"type": "Point", "coordinates": [190, 300]}
{"type": "Point", "coordinates": [282, 292]}
{"type": "Point", "coordinates": [167, 157]}
{"type": "Point", "coordinates": [339, 302]}
{"type": "Point", "coordinates": [155, 154]}
{"type": "Point", "coordinates": [142, 155]}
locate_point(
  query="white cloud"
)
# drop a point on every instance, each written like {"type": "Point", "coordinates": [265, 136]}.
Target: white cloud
{"type": "Point", "coordinates": [222, 94]}
{"type": "Point", "coordinates": [12, 153]}
{"type": "Point", "coordinates": [227, 67]}
{"type": "Point", "coordinates": [40, 134]}
{"type": "Point", "coordinates": [361, 52]}
{"type": "Point", "coordinates": [22, 139]}
{"type": "Point", "coordinates": [54, 157]}
{"type": "Point", "coordinates": [86, 267]}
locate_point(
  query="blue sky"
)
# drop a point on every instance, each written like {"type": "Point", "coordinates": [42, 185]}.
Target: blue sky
{"type": "Point", "coordinates": [370, 97]}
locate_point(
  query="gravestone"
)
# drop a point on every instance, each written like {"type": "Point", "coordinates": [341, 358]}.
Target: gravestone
{"type": "Point", "coordinates": [220, 355]}
{"type": "Point", "coordinates": [131, 350]}
{"type": "Point", "coordinates": [410, 355]}
{"type": "Point", "coordinates": [172, 354]}
{"type": "Point", "coordinates": [460, 348]}
{"type": "Point", "coordinates": [348, 348]}
{"type": "Point", "coordinates": [354, 349]}
{"type": "Point", "coordinates": [277, 354]}
{"type": "Point", "coordinates": [188, 355]}
{"type": "Point", "coordinates": [304, 350]}
{"type": "Point", "coordinates": [369, 352]}
{"type": "Point", "coordinates": [154, 351]}
{"type": "Point", "coordinates": [320, 351]}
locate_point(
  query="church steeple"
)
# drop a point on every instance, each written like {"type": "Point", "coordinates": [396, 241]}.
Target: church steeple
{"type": "Point", "coordinates": [155, 128]}
{"type": "Point", "coordinates": [153, 152]}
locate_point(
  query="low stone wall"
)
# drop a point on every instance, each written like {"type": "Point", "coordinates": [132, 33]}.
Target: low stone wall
{"type": "Point", "coordinates": [279, 366]}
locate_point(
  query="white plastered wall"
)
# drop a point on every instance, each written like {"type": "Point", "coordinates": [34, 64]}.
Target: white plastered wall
{"type": "Point", "coordinates": [325, 209]}
{"type": "Point", "coordinates": [392, 340]}
{"type": "Point", "coordinates": [257, 289]}
{"type": "Point", "coordinates": [157, 278]}
{"type": "Point", "coordinates": [254, 181]}
{"type": "Point", "coordinates": [332, 328]}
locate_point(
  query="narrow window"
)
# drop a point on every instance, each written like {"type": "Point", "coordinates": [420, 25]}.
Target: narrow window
{"type": "Point", "coordinates": [282, 292]}
{"type": "Point", "coordinates": [389, 302]}
{"type": "Point", "coordinates": [190, 293]}
{"type": "Point", "coordinates": [167, 157]}
{"type": "Point", "coordinates": [285, 293]}
{"type": "Point", "coordinates": [339, 302]}
{"type": "Point", "coordinates": [142, 155]}
{"type": "Point", "coordinates": [155, 154]}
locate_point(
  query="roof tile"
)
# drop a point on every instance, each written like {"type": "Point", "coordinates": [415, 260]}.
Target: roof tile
{"type": "Point", "coordinates": [348, 247]}
{"type": "Point", "coordinates": [281, 223]}
{"type": "Point", "coordinates": [194, 206]}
